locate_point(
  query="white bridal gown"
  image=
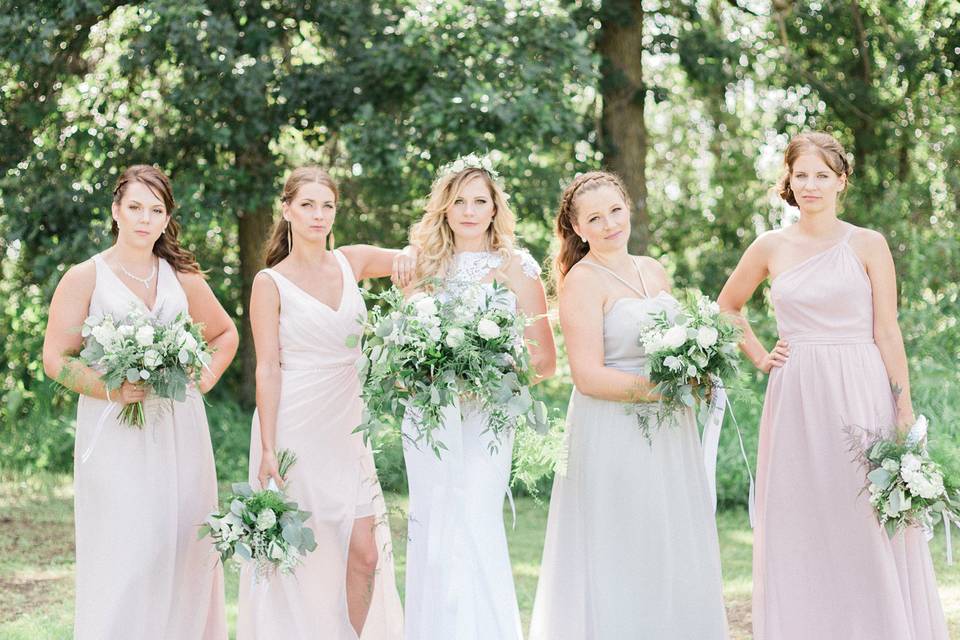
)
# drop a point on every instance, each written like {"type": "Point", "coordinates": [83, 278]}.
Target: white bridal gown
{"type": "Point", "coordinates": [459, 580]}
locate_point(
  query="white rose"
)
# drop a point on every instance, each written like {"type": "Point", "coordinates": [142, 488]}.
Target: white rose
{"type": "Point", "coordinates": [426, 306]}
{"type": "Point", "coordinates": [455, 337]}
{"type": "Point", "coordinates": [909, 462]}
{"type": "Point", "coordinates": [675, 337]}
{"type": "Point", "coordinates": [266, 519]}
{"type": "Point", "coordinates": [708, 306]}
{"type": "Point", "coordinates": [144, 336]}
{"type": "Point", "coordinates": [707, 337]}
{"type": "Point", "coordinates": [435, 333]}
{"type": "Point", "coordinates": [488, 329]}
{"type": "Point", "coordinates": [125, 330]}
{"type": "Point", "coordinates": [673, 363]}
{"type": "Point", "coordinates": [692, 371]}
{"type": "Point", "coordinates": [151, 358]}
{"type": "Point", "coordinates": [104, 334]}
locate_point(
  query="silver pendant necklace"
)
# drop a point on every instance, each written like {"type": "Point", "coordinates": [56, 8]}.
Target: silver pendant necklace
{"type": "Point", "coordinates": [144, 281]}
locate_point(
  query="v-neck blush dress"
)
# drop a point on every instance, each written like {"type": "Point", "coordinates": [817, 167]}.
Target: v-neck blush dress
{"type": "Point", "coordinates": [140, 495]}
{"type": "Point", "coordinates": [334, 477]}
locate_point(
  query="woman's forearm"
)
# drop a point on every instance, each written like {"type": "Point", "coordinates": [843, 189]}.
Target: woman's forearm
{"type": "Point", "coordinates": [224, 348]}
{"type": "Point", "coordinates": [79, 378]}
{"type": "Point", "coordinates": [268, 404]}
{"type": "Point", "coordinates": [607, 383]}
{"type": "Point", "coordinates": [749, 344]}
{"type": "Point", "coordinates": [890, 344]}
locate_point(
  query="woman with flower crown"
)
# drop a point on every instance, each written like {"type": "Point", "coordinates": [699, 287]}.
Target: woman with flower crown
{"type": "Point", "coordinates": [459, 581]}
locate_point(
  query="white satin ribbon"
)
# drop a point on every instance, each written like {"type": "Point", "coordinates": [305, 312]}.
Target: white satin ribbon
{"type": "Point", "coordinates": [947, 523]}
{"type": "Point", "coordinates": [96, 431]}
{"type": "Point", "coordinates": [710, 443]}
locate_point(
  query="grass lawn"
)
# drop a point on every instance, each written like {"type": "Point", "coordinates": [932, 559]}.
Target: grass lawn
{"type": "Point", "coordinates": [36, 561]}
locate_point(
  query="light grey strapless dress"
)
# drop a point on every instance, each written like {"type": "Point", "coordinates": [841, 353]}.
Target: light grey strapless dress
{"type": "Point", "coordinates": [631, 546]}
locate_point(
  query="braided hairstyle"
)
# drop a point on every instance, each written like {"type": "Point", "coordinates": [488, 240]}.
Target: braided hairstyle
{"type": "Point", "coordinates": [168, 244]}
{"type": "Point", "coordinates": [825, 146]}
{"type": "Point", "coordinates": [572, 248]}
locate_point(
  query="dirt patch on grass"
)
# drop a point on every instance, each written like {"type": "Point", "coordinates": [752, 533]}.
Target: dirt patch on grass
{"type": "Point", "coordinates": [29, 541]}
{"type": "Point", "coordinates": [739, 620]}
{"type": "Point", "coordinates": [28, 592]}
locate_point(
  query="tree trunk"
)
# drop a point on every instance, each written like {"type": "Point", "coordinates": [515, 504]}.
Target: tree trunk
{"type": "Point", "coordinates": [254, 226]}
{"type": "Point", "coordinates": [624, 132]}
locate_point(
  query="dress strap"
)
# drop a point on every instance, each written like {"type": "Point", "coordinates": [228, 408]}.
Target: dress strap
{"type": "Point", "coordinates": [848, 234]}
{"type": "Point", "coordinates": [642, 292]}
{"type": "Point", "coordinates": [348, 275]}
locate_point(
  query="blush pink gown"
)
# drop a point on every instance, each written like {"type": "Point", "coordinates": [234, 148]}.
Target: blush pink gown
{"type": "Point", "coordinates": [139, 497]}
{"type": "Point", "coordinates": [334, 477]}
{"type": "Point", "coordinates": [822, 566]}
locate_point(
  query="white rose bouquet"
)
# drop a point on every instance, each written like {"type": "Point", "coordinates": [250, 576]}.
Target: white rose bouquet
{"type": "Point", "coordinates": [906, 487]}
{"type": "Point", "coordinates": [687, 351]}
{"type": "Point", "coordinates": [262, 526]}
{"type": "Point", "coordinates": [138, 349]}
{"type": "Point", "coordinates": [422, 354]}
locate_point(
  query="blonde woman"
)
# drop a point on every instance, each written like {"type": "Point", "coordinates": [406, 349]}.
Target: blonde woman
{"type": "Point", "coordinates": [459, 580]}
{"type": "Point", "coordinates": [302, 309]}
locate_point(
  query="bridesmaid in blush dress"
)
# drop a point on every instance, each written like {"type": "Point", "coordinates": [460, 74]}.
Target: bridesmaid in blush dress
{"type": "Point", "coordinates": [304, 307]}
{"type": "Point", "coordinates": [822, 565]}
{"type": "Point", "coordinates": [141, 493]}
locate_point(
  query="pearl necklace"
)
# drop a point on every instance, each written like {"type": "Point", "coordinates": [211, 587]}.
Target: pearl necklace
{"type": "Point", "coordinates": [144, 281]}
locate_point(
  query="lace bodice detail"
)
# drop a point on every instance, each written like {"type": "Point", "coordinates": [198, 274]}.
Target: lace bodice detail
{"type": "Point", "coordinates": [473, 266]}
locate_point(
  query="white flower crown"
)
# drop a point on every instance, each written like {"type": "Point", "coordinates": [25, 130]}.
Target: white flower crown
{"type": "Point", "coordinates": [471, 161]}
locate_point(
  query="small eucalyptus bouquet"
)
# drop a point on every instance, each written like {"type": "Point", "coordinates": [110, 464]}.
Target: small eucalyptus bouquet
{"type": "Point", "coordinates": [263, 527]}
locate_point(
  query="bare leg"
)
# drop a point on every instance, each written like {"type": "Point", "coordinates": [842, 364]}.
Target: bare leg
{"type": "Point", "coordinates": [361, 569]}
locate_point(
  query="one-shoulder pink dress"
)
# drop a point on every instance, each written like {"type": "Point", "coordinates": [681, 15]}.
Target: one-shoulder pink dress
{"type": "Point", "coordinates": [823, 567]}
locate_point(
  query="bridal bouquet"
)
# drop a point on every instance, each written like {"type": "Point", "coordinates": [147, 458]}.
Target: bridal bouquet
{"type": "Point", "coordinates": [423, 354]}
{"type": "Point", "coordinates": [138, 349]}
{"type": "Point", "coordinates": [687, 350]}
{"type": "Point", "coordinates": [906, 487]}
{"type": "Point", "coordinates": [262, 526]}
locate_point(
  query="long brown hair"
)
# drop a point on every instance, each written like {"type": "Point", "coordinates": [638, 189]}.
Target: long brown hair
{"type": "Point", "coordinates": [167, 245]}
{"type": "Point", "coordinates": [572, 248]}
{"type": "Point", "coordinates": [278, 247]}
{"type": "Point", "coordinates": [825, 146]}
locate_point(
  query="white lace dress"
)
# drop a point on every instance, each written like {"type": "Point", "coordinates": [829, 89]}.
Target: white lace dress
{"type": "Point", "coordinates": [459, 583]}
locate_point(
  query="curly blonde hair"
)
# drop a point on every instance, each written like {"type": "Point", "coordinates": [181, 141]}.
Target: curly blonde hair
{"type": "Point", "coordinates": [433, 236]}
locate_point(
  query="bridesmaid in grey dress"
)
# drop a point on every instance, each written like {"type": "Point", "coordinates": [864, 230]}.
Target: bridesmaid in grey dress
{"type": "Point", "coordinates": [631, 548]}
